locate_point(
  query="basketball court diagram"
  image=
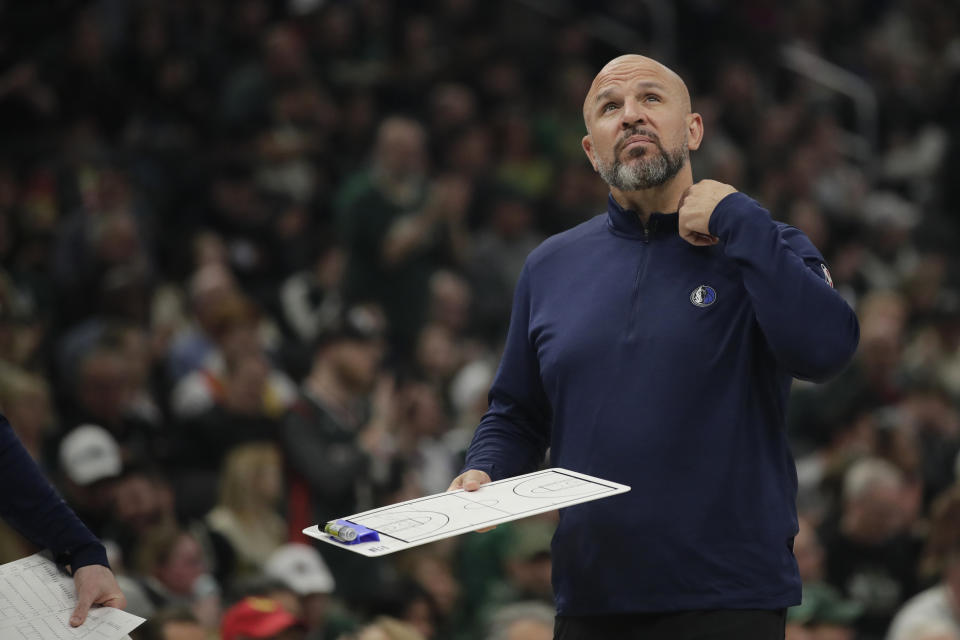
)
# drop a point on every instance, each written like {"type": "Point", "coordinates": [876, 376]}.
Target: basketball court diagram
{"type": "Point", "coordinates": [443, 515]}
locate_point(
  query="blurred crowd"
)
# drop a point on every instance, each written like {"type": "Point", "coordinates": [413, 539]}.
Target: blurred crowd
{"type": "Point", "coordinates": [258, 259]}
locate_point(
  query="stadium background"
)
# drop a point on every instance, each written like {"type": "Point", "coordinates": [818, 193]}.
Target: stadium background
{"type": "Point", "coordinates": [204, 206]}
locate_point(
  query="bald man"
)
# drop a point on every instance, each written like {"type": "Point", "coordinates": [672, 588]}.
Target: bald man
{"type": "Point", "coordinates": [654, 345]}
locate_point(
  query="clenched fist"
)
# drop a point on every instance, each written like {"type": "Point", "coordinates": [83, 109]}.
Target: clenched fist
{"type": "Point", "coordinates": [696, 205]}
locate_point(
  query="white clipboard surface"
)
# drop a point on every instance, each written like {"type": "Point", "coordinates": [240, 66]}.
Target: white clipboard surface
{"type": "Point", "coordinates": [444, 515]}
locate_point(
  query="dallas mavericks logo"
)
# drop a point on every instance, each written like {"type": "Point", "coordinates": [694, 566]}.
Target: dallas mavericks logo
{"type": "Point", "coordinates": [703, 296]}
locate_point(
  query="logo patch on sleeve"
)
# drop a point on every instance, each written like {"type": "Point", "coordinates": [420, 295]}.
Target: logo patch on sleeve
{"type": "Point", "coordinates": [703, 296]}
{"type": "Point", "coordinates": [826, 275]}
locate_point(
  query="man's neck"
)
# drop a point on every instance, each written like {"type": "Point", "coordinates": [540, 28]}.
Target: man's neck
{"type": "Point", "coordinates": [662, 199]}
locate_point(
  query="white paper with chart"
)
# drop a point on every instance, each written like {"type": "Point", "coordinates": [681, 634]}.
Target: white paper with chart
{"type": "Point", "coordinates": [443, 515]}
{"type": "Point", "coordinates": [36, 600]}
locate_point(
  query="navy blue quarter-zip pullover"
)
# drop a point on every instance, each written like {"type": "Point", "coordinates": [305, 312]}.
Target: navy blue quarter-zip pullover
{"type": "Point", "coordinates": [32, 507]}
{"type": "Point", "coordinates": [640, 358]}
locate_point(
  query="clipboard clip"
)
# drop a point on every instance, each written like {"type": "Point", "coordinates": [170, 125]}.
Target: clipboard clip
{"type": "Point", "coordinates": [363, 534]}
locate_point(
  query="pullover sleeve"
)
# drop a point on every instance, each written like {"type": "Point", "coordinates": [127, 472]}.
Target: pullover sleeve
{"type": "Point", "coordinates": [513, 435]}
{"type": "Point", "coordinates": [33, 507]}
{"type": "Point", "coordinates": [809, 327]}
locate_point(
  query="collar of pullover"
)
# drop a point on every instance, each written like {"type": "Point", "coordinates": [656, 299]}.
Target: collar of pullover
{"type": "Point", "coordinates": [626, 222]}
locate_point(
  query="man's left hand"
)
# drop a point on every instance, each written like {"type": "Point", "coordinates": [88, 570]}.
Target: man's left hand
{"type": "Point", "coordinates": [95, 585]}
{"type": "Point", "coordinates": [696, 205]}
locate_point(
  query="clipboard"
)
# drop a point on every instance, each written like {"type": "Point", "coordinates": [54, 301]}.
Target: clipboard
{"type": "Point", "coordinates": [443, 515]}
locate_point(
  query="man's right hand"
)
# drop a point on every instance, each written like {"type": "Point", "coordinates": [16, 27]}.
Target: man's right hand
{"type": "Point", "coordinates": [469, 480]}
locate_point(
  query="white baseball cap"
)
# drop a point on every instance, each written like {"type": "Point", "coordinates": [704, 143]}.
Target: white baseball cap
{"type": "Point", "coordinates": [301, 567]}
{"type": "Point", "coordinates": [89, 453]}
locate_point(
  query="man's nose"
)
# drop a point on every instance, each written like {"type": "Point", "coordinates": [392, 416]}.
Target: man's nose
{"type": "Point", "coordinates": [632, 113]}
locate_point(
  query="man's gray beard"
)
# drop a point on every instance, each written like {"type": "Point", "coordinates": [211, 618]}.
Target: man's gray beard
{"type": "Point", "coordinates": [648, 172]}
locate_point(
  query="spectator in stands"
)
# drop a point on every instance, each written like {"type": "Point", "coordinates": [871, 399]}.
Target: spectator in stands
{"type": "Point", "coordinates": [247, 513]}
{"type": "Point", "coordinates": [90, 459]}
{"type": "Point", "coordinates": [337, 429]}
{"type": "Point", "coordinates": [522, 166]}
{"type": "Point", "coordinates": [336, 440]}
{"type": "Point", "coordinates": [170, 571]}
{"type": "Point", "coordinates": [103, 393]}
{"type": "Point", "coordinates": [247, 410]}
{"type": "Point", "coordinates": [208, 289]}
{"type": "Point", "coordinates": [422, 428]}
{"type": "Point", "coordinates": [170, 624]}
{"type": "Point", "coordinates": [823, 615]}
{"type": "Point", "coordinates": [941, 561]}
{"type": "Point", "coordinates": [142, 501]}
{"type": "Point", "coordinates": [809, 552]}
{"type": "Point", "coordinates": [259, 619]}
{"type": "Point", "coordinates": [499, 251]}
{"type": "Point", "coordinates": [25, 400]}
{"type": "Point", "coordinates": [311, 299]}
{"type": "Point", "coordinates": [397, 228]}
{"type": "Point", "coordinates": [388, 629]}
{"type": "Point", "coordinates": [303, 570]}
{"type": "Point", "coordinates": [431, 568]}
{"type": "Point", "coordinates": [871, 558]}
{"type": "Point", "coordinates": [522, 621]}
{"type": "Point", "coordinates": [406, 601]}
{"type": "Point", "coordinates": [932, 630]}
{"type": "Point", "coordinates": [526, 567]}
{"type": "Point", "coordinates": [235, 325]}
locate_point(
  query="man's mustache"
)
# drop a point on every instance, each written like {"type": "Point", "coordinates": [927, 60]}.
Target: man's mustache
{"type": "Point", "coordinates": [622, 141]}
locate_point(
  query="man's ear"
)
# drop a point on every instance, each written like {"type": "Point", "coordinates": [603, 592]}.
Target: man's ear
{"type": "Point", "coordinates": [694, 131]}
{"type": "Point", "coordinates": [587, 144]}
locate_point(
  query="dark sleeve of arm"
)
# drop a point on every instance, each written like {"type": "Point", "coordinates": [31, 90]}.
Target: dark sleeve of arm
{"type": "Point", "coordinates": [514, 433]}
{"type": "Point", "coordinates": [330, 469]}
{"type": "Point", "coordinates": [32, 507]}
{"type": "Point", "coordinates": [810, 328]}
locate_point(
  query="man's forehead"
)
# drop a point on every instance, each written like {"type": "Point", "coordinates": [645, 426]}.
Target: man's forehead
{"type": "Point", "coordinates": [630, 69]}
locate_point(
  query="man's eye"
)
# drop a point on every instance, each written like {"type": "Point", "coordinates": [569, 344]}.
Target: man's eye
{"type": "Point", "coordinates": [610, 106]}
{"type": "Point", "coordinates": [653, 98]}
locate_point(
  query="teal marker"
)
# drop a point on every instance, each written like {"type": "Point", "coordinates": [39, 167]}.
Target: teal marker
{"type": "Point", "coordinates": [340, 531]}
